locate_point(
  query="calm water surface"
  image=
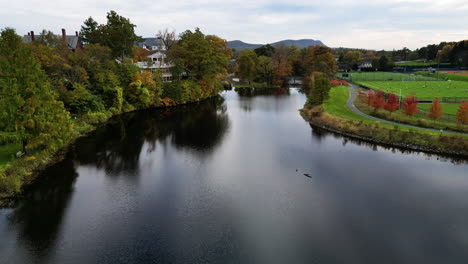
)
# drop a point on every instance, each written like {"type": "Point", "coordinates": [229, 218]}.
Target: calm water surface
{"type": "Point", "coordinates": [224, 182]}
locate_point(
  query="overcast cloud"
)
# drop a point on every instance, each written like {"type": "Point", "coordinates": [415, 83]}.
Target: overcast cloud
{"type": "Point", "coordinates": [378, 24]}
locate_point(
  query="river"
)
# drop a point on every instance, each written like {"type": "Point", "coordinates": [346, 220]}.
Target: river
{"type": "Point", "coordinates": [238, 179]}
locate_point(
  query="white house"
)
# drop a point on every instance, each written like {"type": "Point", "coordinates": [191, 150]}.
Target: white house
{"type": "Point", "coordinates": [157, 60]}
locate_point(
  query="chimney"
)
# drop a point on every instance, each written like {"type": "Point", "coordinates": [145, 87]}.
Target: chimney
{"type": "Point", "coordinates": [64, 36]}
{"type": "Point", "coordinates": [76, 33]}
{"type": "Point", "coordinates": [32, 36]}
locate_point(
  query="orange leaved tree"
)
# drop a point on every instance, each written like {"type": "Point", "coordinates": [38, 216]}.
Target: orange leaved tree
{"type": "Point", "coordinates": [411, 105]}
{"type": "Point", "coordinates": [435, 112]}
{"type": "Point", "coordinates": [462, 114]}
{"type": "Point", "coordinates": [379, 100]}
{"type": "Point", "coordinates": [392, 103]}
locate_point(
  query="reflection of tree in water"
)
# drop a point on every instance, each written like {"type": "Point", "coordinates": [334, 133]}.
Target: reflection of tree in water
{"type": "Point", "coordinates": [117, 146]}
{"type": "Point", "coordinates": [38, 215]}
{"type": "Point", "coordinates": [320, 133]}
{"type": "Point", "coordinates": [250, 92]}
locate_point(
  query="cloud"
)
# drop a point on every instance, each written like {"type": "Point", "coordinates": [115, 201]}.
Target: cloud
{"type": "Point", "coordinates": [373, 24]}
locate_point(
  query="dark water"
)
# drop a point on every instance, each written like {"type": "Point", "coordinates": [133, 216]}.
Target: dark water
{"type": "Point", "coordinates": [223, 182]}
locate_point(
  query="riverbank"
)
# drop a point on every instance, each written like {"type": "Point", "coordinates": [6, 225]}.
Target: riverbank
{"type": "Point", "coordinates": [335, 116]}
{"type": "Point", "coordinates": [21, 172]}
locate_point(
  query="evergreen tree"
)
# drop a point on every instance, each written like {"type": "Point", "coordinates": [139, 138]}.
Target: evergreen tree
{"type": "Point", "coordinates": [29, 107]}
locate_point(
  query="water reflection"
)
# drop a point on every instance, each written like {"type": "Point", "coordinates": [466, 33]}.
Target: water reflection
{"type": "Point", "coordinates": [252, 92]}
{"type": "Point", "coordinates": [319, 134]}
{"type": "Point", "coordinates": [238, 179]}
{"type": "Point", "coordinates": [38, 217]}
{"type": "Point", "coordinates": [118, 145]}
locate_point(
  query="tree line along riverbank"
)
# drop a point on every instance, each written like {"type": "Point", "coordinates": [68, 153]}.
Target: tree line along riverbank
{"type": "Point", "coordinates": [50, 94]}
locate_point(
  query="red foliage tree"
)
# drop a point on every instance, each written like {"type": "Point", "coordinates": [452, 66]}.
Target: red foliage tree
{"type": "Point", "coordinates": [370, 97]}
{"type": "Point", "coordinates": [435, 112]}
{"type": "Point", "coordinates": [335, 83]}
{"type": "Point", "coordinates": [362, 97]}
{"type": "Point", "coordinates": [392, 103]}
{"type": "Point", "coordinates": [411, 105]}
{"type": "Point", "coordinates": [462, 114]}
{"type": "Point", "coordinates": [379, 100]}
{"type": "Point", "coordinates": [344, 82]}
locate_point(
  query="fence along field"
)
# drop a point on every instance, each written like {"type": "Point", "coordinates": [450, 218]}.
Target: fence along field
{"type": "Point", "coordinates": [383, 76]}
{"type": "Point", "coordinates": [425, 88]}
{"type": "Point", "coordinates": [453, 91]}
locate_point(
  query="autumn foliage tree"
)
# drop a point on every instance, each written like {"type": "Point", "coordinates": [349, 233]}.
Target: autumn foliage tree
{"type": "Point", "coordinates": [320, 59]}
{"type": "Point", "coordinates": [410, 105]}
{"type": "Point", "coordinates": [370, 97]}
{"type": "Point", "coordinates": [392, 103]}
{"type": "Point", "coordinates": [435, 112]}
{"type": "Point", "coordinates": [462, 114]}
{"type": "Point", "coordinates": [379, 100]}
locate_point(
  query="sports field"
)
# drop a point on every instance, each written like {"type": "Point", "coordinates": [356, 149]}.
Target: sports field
{"type": "Point", "coordinates": [416, 63]}
{"type": "Point", "coordinates": [421, 89]}
{"type": "Point", "coordinates": [450, 109]}
{"type": "Point", "coordinates": [383, 76]}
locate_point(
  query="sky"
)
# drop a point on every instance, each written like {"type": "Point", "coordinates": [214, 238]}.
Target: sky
{"type": "Point", "coordinates": [377, 24]}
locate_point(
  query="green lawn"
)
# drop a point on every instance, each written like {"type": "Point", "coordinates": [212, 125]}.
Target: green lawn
{"type": "Point", "coordinates": [450, 109]}
{"type": "Point", "coordinates": [424, 89]}
{"type": "Point", "coordinates": [383, 76]}
{"type": "Point", "coordinates": [7, 152]}
{"type": "Point", "coordinates": [416, 63]}
{"type": "Point", "coordinates": [336, 104]}
{"type": "Point", "coordinates": [439, 75]}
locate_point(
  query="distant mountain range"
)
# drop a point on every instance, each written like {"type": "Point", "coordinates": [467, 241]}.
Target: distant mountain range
{"type": "Point", "coordinates": [301, 43]}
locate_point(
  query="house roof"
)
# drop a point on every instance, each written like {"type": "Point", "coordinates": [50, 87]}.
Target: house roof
{"type": "Point", "coordinates": [149, 42]}
{"type": "Point", "coordinates": [72, 40]}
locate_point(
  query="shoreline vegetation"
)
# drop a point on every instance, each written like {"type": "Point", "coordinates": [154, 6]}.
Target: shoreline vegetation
{"type": "Point", "coordinates": [30, 166]}
{"type": "Point", "coordinates": [51, 94]}
{"type": "Point", "coordinates": [335, 116]}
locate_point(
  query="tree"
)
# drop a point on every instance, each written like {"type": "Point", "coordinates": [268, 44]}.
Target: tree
{"type": "Point", "coordinates": [247, 65]}
{"type": "Point", "coordinates": [352, 58]}
{"type": "Point", "coordinates": [379, 100]}
{"type": "Point", "coordinates": [295, 59]}
{"type": "Point", "coordinates": [203, 58]}
{"type": "Point", "coordinates": [410, 105]}
{"type": "Point", "coordinates": [371, 94]}
{"type": "Point", "coordinates": [319, 88]}
{"type": "Point", "coordinates": [118, 34]}
{"type": "Point", "coordinates": [462, 113]}
{"type": "Point", "coordinates": [167, 37]}
{"type": "Point", "coordinates": [320, 59]}
{"type": "Point", "coordinates": [435, 112]}
{"type": "Point", "coordinates": [383, 62]}
{"type": "Point", "coordinates": [392, 103]}
{"type": "Point", "coordinates": [30, 108]}
{"type": "Point", "coordinates": [265, 50]}
{"type": "Point", "coordinates": [265, 70]}
{"type": "Point", "coordinates": [444, 54]}
{"type": "Point", "coordinates": [88, 32]}
{"type": "Point", "coordinates": [281, 63]}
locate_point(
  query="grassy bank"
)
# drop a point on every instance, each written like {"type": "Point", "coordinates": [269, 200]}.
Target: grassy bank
{"type": "Point", "coordinates": [419, 120]}
{"type": "Point", "coordinates": [334, 114]}
{"type": "Point", "coordinates": [449, 109]}
{"type": "Point", "coordinates": [7, 153]}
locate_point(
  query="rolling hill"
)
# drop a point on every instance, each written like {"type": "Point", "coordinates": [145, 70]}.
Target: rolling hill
{"type": "Point", "coordinates": [301, 43]}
